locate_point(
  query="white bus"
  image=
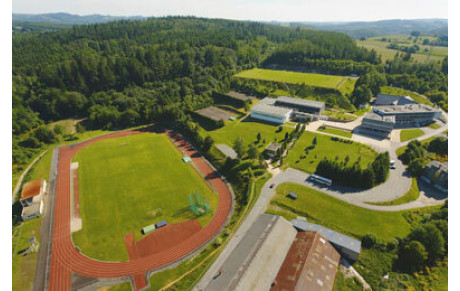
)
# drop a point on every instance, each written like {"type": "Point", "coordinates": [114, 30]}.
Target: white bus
{"type": "Point", "coordinates": [321, 180]}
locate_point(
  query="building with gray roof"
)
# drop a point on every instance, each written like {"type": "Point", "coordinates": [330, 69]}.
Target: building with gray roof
{"type": "Point", "coordinates": [279, 110]}
{"type": "Point", "coordinates": [436, 174]}
{"type": "Point", "coordinates": [301, 105]}
{"type": "Point", "coordinates": [386, 99]}
{"type": "Point", "coordinates": [392, 111]}
{"type": "Point", "coordinates": [255, 261]}
{"type": "Point", "coordinates": [348, 247]}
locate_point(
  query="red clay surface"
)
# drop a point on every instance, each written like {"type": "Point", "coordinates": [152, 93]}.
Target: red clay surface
{"type": "Point", "coordinates": [65, 258]}
{"type": "Point", "coordinates": [163, 238]}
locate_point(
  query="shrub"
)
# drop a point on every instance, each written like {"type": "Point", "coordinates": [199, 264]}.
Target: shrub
{"type": "Point", "coordinates": [368, 241]}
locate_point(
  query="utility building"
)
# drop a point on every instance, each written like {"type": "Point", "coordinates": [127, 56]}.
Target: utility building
{"type": "Point", "coordinates": [32, 199]}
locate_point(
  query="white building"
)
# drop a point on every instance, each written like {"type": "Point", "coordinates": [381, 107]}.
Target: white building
{"type": "Point", "coordinates": [279, 110]}
{"type": "Point", "coordinates": [270, 113]}
{"type": "Point", "coordinates": [32, 199]}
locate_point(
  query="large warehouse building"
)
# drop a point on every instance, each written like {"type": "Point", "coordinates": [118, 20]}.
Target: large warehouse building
{"type": "Point", "coordinates": [276, 254]}
{"type": "Point", "coordinates": [279, 110]}
{"type": "Point", "coordinates": [254, 263]}
{"type": "Point", "coordinates": [391, 111]}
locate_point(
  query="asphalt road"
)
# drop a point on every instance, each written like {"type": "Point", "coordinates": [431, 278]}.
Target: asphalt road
{"type": "Point", "coordinates": [46, 235]}
{"type": "Point", "coordinates": [396, 185]}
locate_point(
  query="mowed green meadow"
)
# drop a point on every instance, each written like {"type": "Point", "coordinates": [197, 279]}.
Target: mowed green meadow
{"type": "Point", "coordinates": [127, 183]}
{"type": "Point", "coordinates": [342, 83]}
{"type": "Point", "coordinates": [328, 211]}
{"type": "Point", "coordinates": [408, 134]}
{"type": "Point", "coordinates": [247, 129]}
{"type": "Point", "coordinates": [326, 148]}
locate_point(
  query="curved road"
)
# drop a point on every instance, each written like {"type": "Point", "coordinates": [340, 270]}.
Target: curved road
{"type": "Point", "coordinates": [396, 185]}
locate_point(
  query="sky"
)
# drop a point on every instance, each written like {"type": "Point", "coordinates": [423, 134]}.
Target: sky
{"type": "Point", "coordinates": [288, 10]}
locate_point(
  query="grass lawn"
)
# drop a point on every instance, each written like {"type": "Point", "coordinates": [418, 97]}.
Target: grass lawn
{"type": "Point", "coordinates": [247, 129]}
{"type": "Point", "coordinates": [336, 131]}
{"type": "Point", "coordinates": [340, 115]}
{"type": "Point", "coordinates": [342, 83]}
{"type": "Point", "coordinates": [434, 125]}
{"type": "Point", "coordinates": [23, 267]}
{"type": "Point", "coordinates": [399, 91]}
{"type": "Point", "coordinates": [328, 148]}
{"type": "Point", "coordinates": [411, 195]}
{"type": "Point", "coordinates": [141, 171]}
{"type": "Point", "coordinates": [408, 134]}
{"type": "Point", "coordinates": [336, 214]}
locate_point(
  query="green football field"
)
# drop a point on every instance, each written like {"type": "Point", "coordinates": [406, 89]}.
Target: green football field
{"type": "Point", "coordinates": [344, 84]}
{"type": "Point", "coordinates": [127, 183]}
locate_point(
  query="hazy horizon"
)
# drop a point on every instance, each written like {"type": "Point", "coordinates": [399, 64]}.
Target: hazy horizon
{"type": "Point", "coordinates": [252, 10]}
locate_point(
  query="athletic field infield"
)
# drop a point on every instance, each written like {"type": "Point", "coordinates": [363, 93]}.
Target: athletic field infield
{"type": "Point", "coordinates": [342, 83]}
{"type": "Point", "coordinates": [129, 182]}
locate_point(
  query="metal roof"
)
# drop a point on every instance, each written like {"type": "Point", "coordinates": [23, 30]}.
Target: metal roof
{"type": "Point", "coordinates": [235, 266]}
{"type": "Point", "coordinates": [333, 236]}
{"type": "Point", "coordinates": [31, 189]}
{"type": "Point", "coordinates": [408, 108]}
{"type": "Point", "coordinates": [310, 264]}
{"type": "Point", "coordinates": [273, 147]}
{"type": "Point", "coordinates": [269, 109]}
{"type": "Point", "coordinates": [387, 99]}
{"type": "Point", "coordinates": [371, 115]}
{"type": "Point", "coordinates": [302, 102]}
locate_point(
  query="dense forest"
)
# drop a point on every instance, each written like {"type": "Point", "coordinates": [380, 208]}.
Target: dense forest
{"type": "Point", "coordinates": [125, 73]}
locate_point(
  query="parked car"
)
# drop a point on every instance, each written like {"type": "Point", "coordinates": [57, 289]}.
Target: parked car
{"type": "Point", "coordinates": [392, 164]}
{"type": "Point", "coordinates": [272, 185]}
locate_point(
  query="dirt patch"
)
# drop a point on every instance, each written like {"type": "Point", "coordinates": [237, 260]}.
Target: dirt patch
{"type": "Point", "coordinates": [214, 113]}
{"type": "Point", "coordinates": [240, 96]}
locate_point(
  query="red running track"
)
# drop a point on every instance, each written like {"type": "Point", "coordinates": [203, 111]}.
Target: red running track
{"type": "Point", "coordinates": [66, 259]}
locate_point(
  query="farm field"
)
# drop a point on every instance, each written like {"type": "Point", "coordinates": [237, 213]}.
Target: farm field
{"type": "Point", "coordinates": [247, 129]}
{"type": "Point", "coordinates": [140, 170]}
{"type": "Point", "coordinates": [380, 47]}
{"type": "Point", "coordinates": [342, 83]}
{"type": "Point", "coordinates": [326, 148]}
{"type": "Point", "coordinates": [322, 209]}
{"type": "Point", "coordinates": [408, 134]}
{"type": "Point", "coordinates": [399, 91]}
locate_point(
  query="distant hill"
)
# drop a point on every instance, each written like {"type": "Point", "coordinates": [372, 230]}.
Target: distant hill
{"type": "Point", "coordinates": [20, 26]}
{"type": "Point", "coordinates": [70, 19]}
{"type": "Point", "coordinates": [432, 27]}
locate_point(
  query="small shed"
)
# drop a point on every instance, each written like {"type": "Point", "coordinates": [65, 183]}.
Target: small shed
{"type": "Point", "coordinates": [148, 229]}
{"type": "Point", "coordinates": [161, 224]}
{"type": "Point", "coordinates": [272, 149]}
{"type": "Point", "coordinates": [292, 195]}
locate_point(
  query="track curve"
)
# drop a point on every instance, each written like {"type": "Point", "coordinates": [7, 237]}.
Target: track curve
{"type": "Point", "coordinates": [65, 258]}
